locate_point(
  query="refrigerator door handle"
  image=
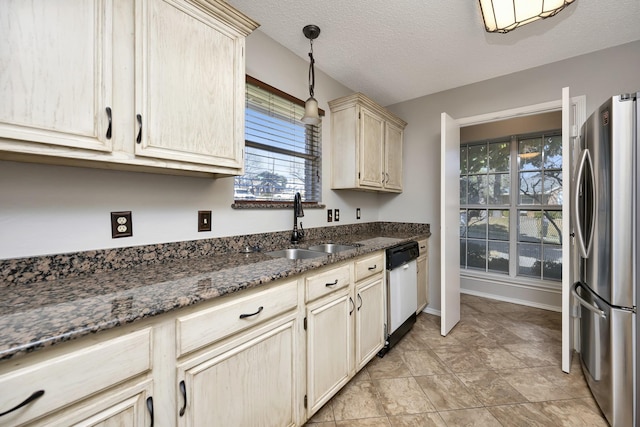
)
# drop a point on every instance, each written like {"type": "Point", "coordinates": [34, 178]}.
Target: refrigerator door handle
{"type": "Point", "coordinates": [593, 308]}
{"type": "Point", "coordinates": [583, 245]}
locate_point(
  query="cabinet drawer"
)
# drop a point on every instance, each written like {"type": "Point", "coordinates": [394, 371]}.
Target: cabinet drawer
{"type": "Point", "coordinates": [74, 376]}
{"type": "Point", "coordinates": [369, 266]}
{"type": "Point", "coordinates": [326, 282]}
{"type": "Point", "coordinates": [239, 312]}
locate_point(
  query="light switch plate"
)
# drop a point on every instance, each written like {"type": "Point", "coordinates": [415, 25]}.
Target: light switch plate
{"type": "Point", "coordinates": [329, 215]}
{"type": "Point", "coordinates": [121, 224]}
{"type": "Point", "coordinates": [336, 215]}
{"type": "Point", "coordinates": [357, 213]}
{"type": "Point", "coordinates": [204, 220]}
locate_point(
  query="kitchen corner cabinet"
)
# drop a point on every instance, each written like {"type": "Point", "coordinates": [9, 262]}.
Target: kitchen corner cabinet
{"type": "Point", "coordinates": [105, 84]}
{"type": "Point", "coordinates": [367, 145]}
{"type": "Point", "coordinates": [422, 264]}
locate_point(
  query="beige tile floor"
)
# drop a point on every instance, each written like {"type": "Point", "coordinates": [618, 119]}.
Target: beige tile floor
{"type": "Point", "coordinates": [500, 366]}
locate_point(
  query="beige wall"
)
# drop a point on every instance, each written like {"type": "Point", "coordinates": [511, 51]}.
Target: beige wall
{"type": "Point", "coordinates": [598, 76]}
{"type": "Point", "coordinates": [515, 126]}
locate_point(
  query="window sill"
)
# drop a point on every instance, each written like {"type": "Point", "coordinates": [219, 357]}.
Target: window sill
{"type": "Point", "coordinates": [259, 204]}
{"type": "Point", "coordinates": [505, 279]}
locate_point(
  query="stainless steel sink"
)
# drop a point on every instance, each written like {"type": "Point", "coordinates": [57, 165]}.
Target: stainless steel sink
{"type": "Point", "coordinates": [296, 253]}
{"type": "Point", "coordinates": [331, 248]}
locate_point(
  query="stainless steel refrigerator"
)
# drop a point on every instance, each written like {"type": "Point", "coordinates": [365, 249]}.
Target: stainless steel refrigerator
{"type": "Point", "coordinates": [605, 220]}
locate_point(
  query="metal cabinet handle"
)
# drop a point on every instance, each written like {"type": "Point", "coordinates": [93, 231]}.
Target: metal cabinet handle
{"type": "Point", "coordinates": [593, 308]}
{"type": "Point", "coordinates": [183, 391]}
{"type": "Point", "coordinates": [332, 284]}
{"type": "Point", "coordinates": [360, 298]}
{"type": "Point", "coordinates": [150, 408]}
{"type": "Point", "coordinates": [374, 267]}
{"type": "Point", "coordinates": [387, 178]}
{"type": "Point", "coordinates": [110, 122]}
{"type": "Point", "coordinates": [244, 316]}
{"type": "Point", "coordinates": [353, 304]}
{"type": "Point", "coordinates": [139, 137]}
{"type": "Point", "coordinates": [35, 395]}
{"type": "Point", "coordinates": [382, 178]}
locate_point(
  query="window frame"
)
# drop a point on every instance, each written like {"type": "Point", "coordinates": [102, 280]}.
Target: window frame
{"type": "Point", "coordinates": [514, 207]}
{"type": "Point", "coordinates": [277, 204]}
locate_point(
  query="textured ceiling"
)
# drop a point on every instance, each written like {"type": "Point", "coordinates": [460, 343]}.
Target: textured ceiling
{"type": "Point", "coordinates": [398, 50]}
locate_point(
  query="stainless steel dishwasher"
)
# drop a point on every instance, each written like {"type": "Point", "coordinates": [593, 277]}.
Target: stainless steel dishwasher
{"type": "Point", "coordinates": [402, 291]}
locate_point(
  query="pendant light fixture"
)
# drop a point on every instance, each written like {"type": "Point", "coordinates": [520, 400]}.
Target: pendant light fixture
{"type": "Point", "coordinates": [502, 16]}
{"type": "Point", "coordinates": [311, 114]}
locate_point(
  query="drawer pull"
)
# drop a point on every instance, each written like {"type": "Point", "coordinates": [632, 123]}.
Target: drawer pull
{"type": "Point", "coordinates": [243, 316]}
{"type": "Point", "coordinates": [332, 284]}
{"type": "Point", "coordinates": [183, 391]}
{"type": "Point", "coordinates": [374, 267]}
{"type": "Point", "coordinates": [109, 119]}
{"type": "Point", "coordinates": [150, 408]}
{"type": "Point", "coordinates": [36, 395]}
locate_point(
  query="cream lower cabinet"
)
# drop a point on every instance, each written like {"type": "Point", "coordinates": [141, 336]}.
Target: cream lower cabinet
{"type": "Point", "coordinates": [366, 145]}
{"type": "Point", "coordinates": [370, 297]}
{"type": "Point", "coordinates": [106, 84]}
{"type": "Point", "coordinates": [94, 384]}
{"type": "Point", "coordinates": [370, 320]}
{"type": "Point", "coordinates": [422, 264]}
{"type": "Point", "coordinates": [329, 347]}
{"type": "Point", "coordinates": [238, 360]}
{"type": "Point", "coordinates": [250, 381]}
{"type": "Point", "coordinates": [329, 332]}
{"type": "Point", "coordinates": [345, 319]}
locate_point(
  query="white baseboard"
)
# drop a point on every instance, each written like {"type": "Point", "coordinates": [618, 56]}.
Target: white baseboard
{"type": "Point", "coordinates": [512, 300]}
{"type": "Point", "coordinates": [430, 310]}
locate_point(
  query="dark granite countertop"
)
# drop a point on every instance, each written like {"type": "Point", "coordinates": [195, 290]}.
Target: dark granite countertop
{"type": "Point", "coordinates": [42, 314]}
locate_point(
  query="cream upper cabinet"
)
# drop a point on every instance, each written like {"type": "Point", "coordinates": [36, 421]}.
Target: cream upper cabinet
{"type": "Point", "coordinates": [56, 83]}
{"type": "Point", "coordinates": [190, 84]}
{"type": "Point", "coordinates": [145, 85]}
{"type": "Point", "coordinates": [366, 145]}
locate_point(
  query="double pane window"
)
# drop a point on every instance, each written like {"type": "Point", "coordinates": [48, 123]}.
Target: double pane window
{"type": "Point", "coordinates": [511, 206]}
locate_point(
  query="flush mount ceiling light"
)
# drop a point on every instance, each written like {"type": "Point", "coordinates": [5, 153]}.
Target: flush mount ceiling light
{"type": "Point", "coordinates": [311, 114]}
{"type": "Point", "coordinates": [502, 16]}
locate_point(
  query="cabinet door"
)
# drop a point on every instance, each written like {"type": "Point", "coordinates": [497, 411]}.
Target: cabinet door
{"type": "Point", "coordinates": [124, 407]}
{"type": "Point", "coordinates": [370, 317]}
{"type": "Point", "coordinates": [423, 287]}
{"type": "Point", "coordinates": [393, 157]}
{"type": "Point", "coordinates": [189, 85]}
{"type": "Point", "coordinates": [251, 384]}
{"type": "Point", "coordinates": [55, 81]}
{"type": "Point", "coordinates": [329, 348]}
{"type": "Point", "coordinates": [371, 149]}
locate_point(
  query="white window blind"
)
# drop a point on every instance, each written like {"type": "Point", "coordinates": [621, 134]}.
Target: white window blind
{"type": "Point", "coordinates": [282, 154]}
